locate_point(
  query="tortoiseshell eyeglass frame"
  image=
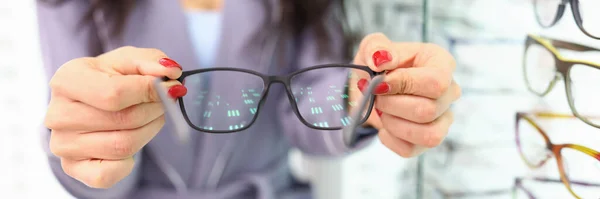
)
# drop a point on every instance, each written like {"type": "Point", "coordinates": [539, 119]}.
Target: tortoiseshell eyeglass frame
{"type": "Point", "coordinates": [554, 148]}
{"type": "Point", "coordinates": [563, 67]}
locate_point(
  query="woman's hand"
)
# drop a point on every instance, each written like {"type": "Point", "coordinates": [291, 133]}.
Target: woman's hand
{"type": "Point", "coordinates": [103, 110]}
{"type": "Point", "coordinates": [412, 105]}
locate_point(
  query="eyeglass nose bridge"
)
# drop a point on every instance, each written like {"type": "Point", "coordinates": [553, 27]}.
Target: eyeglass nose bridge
{"type": "Point", "coordinates": [277, 78]}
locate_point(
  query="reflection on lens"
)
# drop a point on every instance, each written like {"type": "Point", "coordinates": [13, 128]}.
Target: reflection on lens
{"type": "Point", "coordinates": [588, 10]}
{"type": "Point", "coordinates": [325, 103]}
{"type": "Point", "coordinates": [546, 11]}
{"type": "Point", "coordinates": [209, 107]}
{"type": "Point", "coordinates": [540, 68]}
{"type": "Point", "coordinates": [532, 144]}
{"type": "Point", "coordinates": [585, 91]}
{"type": "Point", "coordinates": [583, 172]}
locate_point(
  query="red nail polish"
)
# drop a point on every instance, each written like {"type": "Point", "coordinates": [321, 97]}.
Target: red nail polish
{"type": "Point", "coordinates": [381, 57]}
{"type": "Point", "coordinates": [361, 84]}
{"type": "Point", "coordinates": [169, 63]}
{"type": "Point", "coordinates": [177, 91]}
{"type": "Point", "coordinates": [382, 88]}
{"type": "Point", "coordinates": [378, 112]}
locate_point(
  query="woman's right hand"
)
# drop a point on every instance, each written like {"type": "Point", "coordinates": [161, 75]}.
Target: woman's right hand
{"type": "Point", "coordinates": [104, 109]}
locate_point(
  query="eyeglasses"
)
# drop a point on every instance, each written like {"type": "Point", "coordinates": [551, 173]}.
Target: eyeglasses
{"type": "Point", "coordinates": [520, 191]}
{"type": "Point", "coordinates": [573, 161]}
{"type": "Point", "coordinates": [543, 67]}
{"type": "Point", "coordinates": [226, 100]}
{"type": "Point", "coordinates": [549, 12]}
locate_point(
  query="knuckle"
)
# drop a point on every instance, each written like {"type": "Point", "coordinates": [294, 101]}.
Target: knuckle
{"type": "Point", "coordinates": [101, 179]}
{"type": "Point", "coordinates": [53, 119]}
{"type": "Point", "coordinates": [110, 98]}
{"type": "Point", "coordinates": [122, 146]}
{"type": "Point", "coordinates": [56, 145]}
{"type": "Point", "coordinates": [127, 49]}
{"type": "Point", "coordinates": [69, 169]}
{"type": "Point", "coordinates": [127, 116]}
{"type": "Point", "coordinates": [457, 91]}
{"type": "Point", "coordinates": [438, 86]}
{"type": "Point", "coordinates": [406, 84]}
{"type": "Point", "coordinates": [154, 53]}
{"type": "Point", "coordinates": [57, 82]}
{"type": "Point", "coordinates": [407, 152]}
{"type": "Point", "coordinates": [426, 112]}
{"type": "Point", "coordinates": [433, 137]}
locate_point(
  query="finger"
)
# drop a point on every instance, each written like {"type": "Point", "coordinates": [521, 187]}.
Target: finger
{"type": "Point", "coordinates": [97, 173]}
{"type": "Point", "coordinates": [399, 146]}
{"type": "Point", "coordinates": [138, 61]}
{"type": "Point", "coordinates": [415, 55]}
{"type": "Point", "coordinates": [427, 82]}
{"type": "Point", "coordinates": [108, 145]}
{"type": "Point", "coordinates": [65, 115]}
{"type": "Point", "coordinates": [105, 91]}
{"type": "Point", "coordinates": [376, 51]}
{"type": "Point", "coordinates": [427, 135]}
{"type": "Point", "coordinates": [415, 108]}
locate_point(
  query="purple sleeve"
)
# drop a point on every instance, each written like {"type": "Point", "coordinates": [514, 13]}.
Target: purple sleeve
{"type": "Point", "coordinates": [308, 140]}
{"type": "Point", "coordinates": [61, 41]}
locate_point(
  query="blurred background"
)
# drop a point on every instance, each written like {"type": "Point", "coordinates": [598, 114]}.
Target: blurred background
{"type": "Point", "coordinates": [486, 37]}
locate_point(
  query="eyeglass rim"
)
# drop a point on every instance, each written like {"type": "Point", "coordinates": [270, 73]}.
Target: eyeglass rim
{"type": "Point", "coordinates": [554, 148]}
{"type": "Point", "coordinates": [574, 4]}
{"type": "Point", "coordinates": [562, 67]}
{"type": "Point", "coordinates": [268, 80]}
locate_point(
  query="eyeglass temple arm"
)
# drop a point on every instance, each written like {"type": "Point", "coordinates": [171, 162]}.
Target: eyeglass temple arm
{"type": "Point", "coordinates": [549, 180]}
{"type": "Point", "coordinates": [559, 115]}
{"type": "Point", "coordinates": [172, 111]}
{"type": "Point", "coordinates": [349, 132]}
{"type": "Point", "coordinates": [571, 46]}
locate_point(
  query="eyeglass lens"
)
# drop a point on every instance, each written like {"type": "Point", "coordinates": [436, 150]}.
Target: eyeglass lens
{"type": "Point", "coordinates": [546, 11]}
{"type": "Point", "coordinates": [532, 144]}
{"type": "Point", "coordinates": [321, 102]}
{"type": "Point", "coordinates": [540, 68]}
{"type": "Point", "coordinates": [588, 11]}
{"type": "Point", "coordinates": [585, 91]}
{"type": "Point", "coordinates": [580, 167]}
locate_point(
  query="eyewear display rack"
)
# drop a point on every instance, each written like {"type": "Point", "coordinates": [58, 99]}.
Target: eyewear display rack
{"type": "Point", "coordinates": [425, 33]}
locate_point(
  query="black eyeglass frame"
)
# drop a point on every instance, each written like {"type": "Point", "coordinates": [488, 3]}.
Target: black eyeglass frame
{"type": "Point", "coordinates": [268, 80]}
{"type": "Point", "coordinates": [559, 14]}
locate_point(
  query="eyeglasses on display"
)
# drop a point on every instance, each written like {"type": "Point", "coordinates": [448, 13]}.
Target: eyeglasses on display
{"type": "Point", "coordinates": [519, 190]}
{"type": "Point", "coordinates": [585, 13]}
{"type": "Point", "coordinates": [574, 162]}
{"type": "Point", "coordinates": [544, 66]}
{"type": "Point", "coordinates": [319, 103]}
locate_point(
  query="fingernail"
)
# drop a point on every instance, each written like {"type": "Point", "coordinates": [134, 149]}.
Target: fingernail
{"type": "Point", "coordinates": [361, 84]}
{"type": "Point", "coordinates": [382, 88]}
{"type": "Point", "coordinates": [177, 91]}
{"type": "Point", "coordinates": [378, 112]}
{"type": "Point", "coordinates": [381, 57]}
{"type": "Point", "coordinates": [169, 63]}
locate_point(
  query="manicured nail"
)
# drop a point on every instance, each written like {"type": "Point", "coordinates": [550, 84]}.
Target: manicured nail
{"type": "Point", "coordinates": [177, 91]}
{"type": "Point", "coordinates": [381, 57]}
{"type": "Point", "coordinates": [169, 63]}
{"type": "Point", "coordinates": [378, 112]}
{"type": "Point", "coordinates": [382, 88]}
{"type": "Point", "coordinates": [361, 84]}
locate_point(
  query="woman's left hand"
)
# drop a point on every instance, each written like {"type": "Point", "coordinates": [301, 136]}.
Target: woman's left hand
{"type": "Point", "coordinates": [412, 105]}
